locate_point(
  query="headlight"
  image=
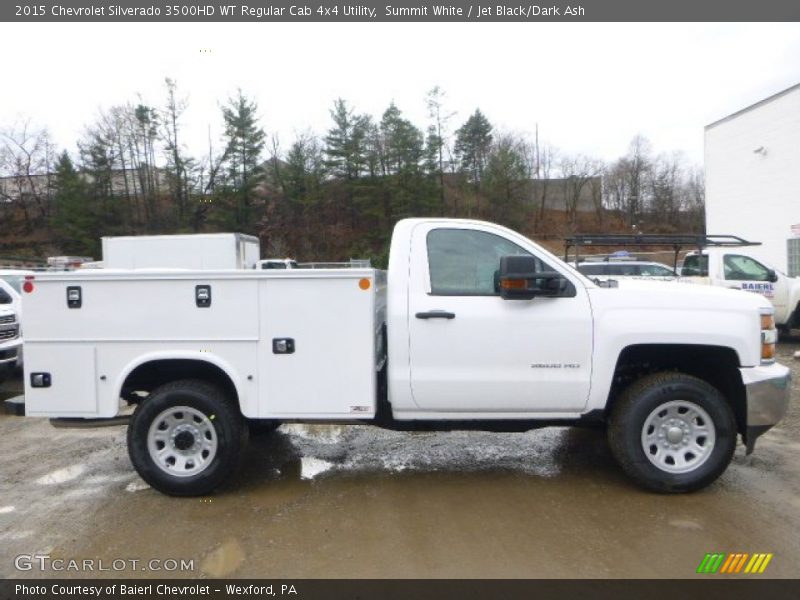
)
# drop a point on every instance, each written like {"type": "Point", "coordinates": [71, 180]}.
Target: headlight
{"type": "Point", "coordinates": [769, 337]}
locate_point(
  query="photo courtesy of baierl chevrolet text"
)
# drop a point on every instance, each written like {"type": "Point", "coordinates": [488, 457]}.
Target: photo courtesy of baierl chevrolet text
{"type": "Point", "coordinates": [399, 299]}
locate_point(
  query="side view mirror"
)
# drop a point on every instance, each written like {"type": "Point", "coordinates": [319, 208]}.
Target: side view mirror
{"type": "Point", "coordinates": [519, 280]}
{"type": "Point", "coordinates": [772, 276]}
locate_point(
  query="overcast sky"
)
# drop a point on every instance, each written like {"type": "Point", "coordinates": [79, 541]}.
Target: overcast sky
{"type": "Point", "coordinates": [590, 87]}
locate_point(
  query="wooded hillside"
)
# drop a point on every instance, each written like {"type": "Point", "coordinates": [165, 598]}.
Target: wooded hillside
{"type": "Point", "coordinates": [331, 196]}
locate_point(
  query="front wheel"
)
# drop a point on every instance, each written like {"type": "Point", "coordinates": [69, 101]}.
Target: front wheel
{"type": "Point", "coordinates": [186, 438]}
{"type": "Point", "coordinates": [672, 432]}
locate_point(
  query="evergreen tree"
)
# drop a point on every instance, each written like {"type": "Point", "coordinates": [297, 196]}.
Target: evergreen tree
{"type": "Point", "coordinates": [404, 153]}
{"type": "Point", "coordinates": [473, 142]}
{"type": "Point", "coordinates": [244, 143]}
{"type": "Point", "coordinates": [402, 142]}
{"type": "Point", "coordinates": [345, 144]}
{"type": "Point", "coordinates": [75, 221]}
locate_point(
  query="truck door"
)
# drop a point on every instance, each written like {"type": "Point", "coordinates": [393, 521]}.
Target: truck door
{"type": "Point", "coordinates": [746, 273]}
{"type": "Point", "coordinates": [472, 351]}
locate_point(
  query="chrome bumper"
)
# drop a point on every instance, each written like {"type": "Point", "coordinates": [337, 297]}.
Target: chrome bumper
{"type": "Point", "coordinates": [768, 390]}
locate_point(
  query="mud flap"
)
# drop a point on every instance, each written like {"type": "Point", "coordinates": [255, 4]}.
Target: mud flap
{"type": "Point", "coordinates": [751, 434]}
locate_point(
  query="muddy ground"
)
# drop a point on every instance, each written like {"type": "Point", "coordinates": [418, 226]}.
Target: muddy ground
{"type": "Point", "coordinates": [324, 501]}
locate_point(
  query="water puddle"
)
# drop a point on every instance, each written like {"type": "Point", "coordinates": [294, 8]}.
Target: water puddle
{"type": "Point", "coordinates": [224, 560]}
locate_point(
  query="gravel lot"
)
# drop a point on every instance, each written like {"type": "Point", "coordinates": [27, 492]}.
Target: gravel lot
{"type": "Point", "coordinates": [325, 501]}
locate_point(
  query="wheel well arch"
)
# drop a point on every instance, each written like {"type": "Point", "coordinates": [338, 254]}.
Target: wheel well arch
{"type": "Point", "coordinates": [794, 318]}
{"type": "Point", "coordinates": [152, 372]}
{"type": "Point", "coordinates": [716, 365]}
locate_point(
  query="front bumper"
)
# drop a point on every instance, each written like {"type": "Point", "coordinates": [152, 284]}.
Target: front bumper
{"type": "Point", "coordinates": [768, 390]}
{"type": "Point", "coordinates": [11, 353]}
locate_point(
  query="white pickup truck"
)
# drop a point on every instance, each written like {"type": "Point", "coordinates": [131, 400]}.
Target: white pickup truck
{"type": "Point", "coordinates": [10, 340]}
{"type": "Point", "coordinates": [735, 268]}
{"type": "Point", "coordinates": [473, 327]}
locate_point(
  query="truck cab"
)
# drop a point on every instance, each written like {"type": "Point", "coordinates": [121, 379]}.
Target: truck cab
{"type": "Point", "coordinates": [737, 269]}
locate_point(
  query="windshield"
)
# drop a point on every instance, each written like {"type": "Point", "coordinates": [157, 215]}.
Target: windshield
{"type": "Point", "coordinates": [15, 281]}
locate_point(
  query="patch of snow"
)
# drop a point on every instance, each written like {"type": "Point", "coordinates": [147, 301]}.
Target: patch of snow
{"type": "Point", "coordinates": [323, 434]}
{"type": "Point", "coordinates": [62, 475]}
{"type": "Point", "coordinates": [310, 467]}
{"type": "Point", "coordinates": [4, 510]}
{"type": "Point", "coordinates": [16, 535]}
{"type": "Point", "coordinates": [136, 486]}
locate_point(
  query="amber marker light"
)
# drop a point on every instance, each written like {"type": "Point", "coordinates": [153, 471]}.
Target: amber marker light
{"type": "Point", "coordinates": [769, 337]}
{"type": "Point", "coordinates": [513, 284]}
{"type": "Point", "coordinates": [364, 283]}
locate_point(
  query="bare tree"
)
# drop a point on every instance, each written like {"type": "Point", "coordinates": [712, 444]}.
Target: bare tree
{"type": "Point", "coordinates": [596, 194]}
{"type": "Point", "coordinates": [179, 165]}
{"type": "Point", "coordinates": [506, 179]}
{"type": "Point", "coordinates": [440, 117]}
{"type": "Point", "coordinates": [578, 172]}
{"type": "Point", "coordinates": [26, 155]}
{"type": "Point", "coordinates": [627, 180]}
{"type": "Point", "coordinates": [545, 157]}
{"type": "Point", "coordinates": [694, 199]}
{"type": "Point", "coordinates": [275, 160]}
{"type": "Point", "coordinates": [666, 189]}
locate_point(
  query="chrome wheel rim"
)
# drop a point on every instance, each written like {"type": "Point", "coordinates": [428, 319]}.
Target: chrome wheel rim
{"type": "Point", "coordinates": [182, 441]}
{"type": "Point", "coordinates": [678, 436]}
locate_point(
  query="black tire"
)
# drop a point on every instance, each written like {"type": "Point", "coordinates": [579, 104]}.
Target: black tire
{"type": "Point", "coordinates": [259, 427]}
{"type": "Point", "coordinates": [639, 402]}
{"type": "Point", "coordinates": [220, 419]}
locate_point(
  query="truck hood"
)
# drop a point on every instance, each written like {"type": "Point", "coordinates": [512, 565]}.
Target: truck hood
{"type": "Point", "coordinates": [644, 312]}
{"type": "Point", "coordinates": [668, 294]}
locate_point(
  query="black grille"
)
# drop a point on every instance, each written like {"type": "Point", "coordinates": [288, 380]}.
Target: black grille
{"type": "Point", "coordinates": [7, 319]}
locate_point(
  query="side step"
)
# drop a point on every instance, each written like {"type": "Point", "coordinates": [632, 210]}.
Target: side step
{"type": "Point", "coordinates": [73, 423]}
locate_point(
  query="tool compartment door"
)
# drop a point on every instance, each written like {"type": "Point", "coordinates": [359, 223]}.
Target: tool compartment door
{"type": "Point", "coordinates": [72, 390]}
{"type": "Point", "coordinates": [317, 347]}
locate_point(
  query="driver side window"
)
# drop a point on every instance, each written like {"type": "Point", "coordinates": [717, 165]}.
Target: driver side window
{"type": "Point", "coordinates": [744, 268]}
{"type": "Point", "coordinates": [464, 262]}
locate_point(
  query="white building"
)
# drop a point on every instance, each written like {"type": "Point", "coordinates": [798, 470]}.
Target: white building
{"type": "Point", "coordinates": [753, 175]}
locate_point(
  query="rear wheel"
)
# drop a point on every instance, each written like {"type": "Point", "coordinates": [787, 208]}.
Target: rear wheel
{"type": "Point", "coordinates": [672, 432]}
{"type": "Point", "coordinates": [186, 438]}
